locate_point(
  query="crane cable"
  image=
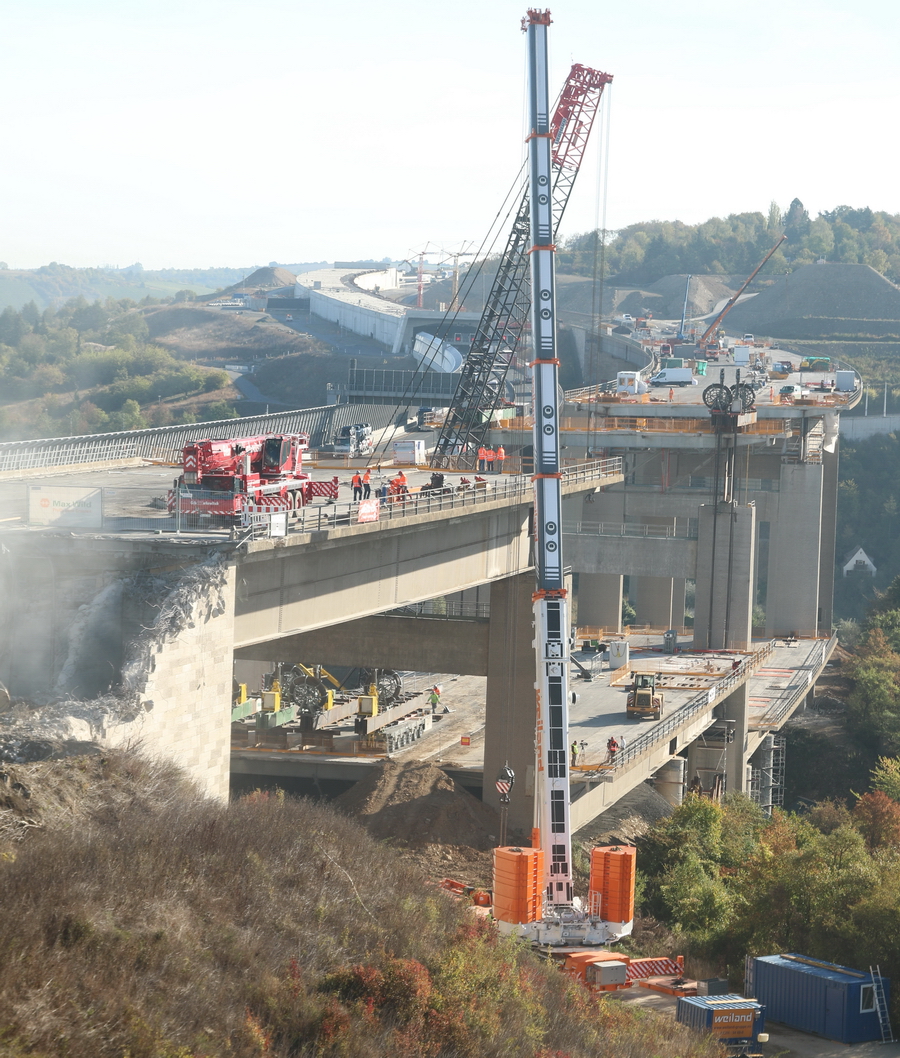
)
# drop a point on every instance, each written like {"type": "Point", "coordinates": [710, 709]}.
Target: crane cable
{"type": "Point", "coordinates": [488, 245]}
{"type": "Point", "coordinates": [510, 204]}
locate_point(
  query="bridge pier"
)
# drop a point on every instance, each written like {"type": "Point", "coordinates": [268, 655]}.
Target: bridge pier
{"type": "Point", "coordinates": [658, 601]}
{"type": "Point", "coordinates": [600, 601]}
{"type": "Point", "coordinates": [509, 726]}
{"type": "Point", "coordinates": [726, 577]}
{"type": "Point", "coordinates": [735, 711]}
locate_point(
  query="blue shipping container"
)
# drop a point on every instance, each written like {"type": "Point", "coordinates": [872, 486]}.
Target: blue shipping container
{"type": "Point", "coordinates": [730, 1018]}
{"type": "Point", "coordinates": [819, 997]}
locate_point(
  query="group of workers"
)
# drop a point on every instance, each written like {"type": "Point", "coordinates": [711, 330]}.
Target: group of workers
{"type": "Point", "coordinates": [490, 460]}
{"type": "Point", "coordinates": [362, 485]}
{"type": "Point", "coordinates": [613, 745]}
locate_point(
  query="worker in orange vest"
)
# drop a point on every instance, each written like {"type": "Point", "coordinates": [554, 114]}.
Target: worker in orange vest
{"type": "Point", "coordinates": [356, 482]}
{"type": "Point", "coordinates": [489, 457]}
{"type": "Point", "coordinates": [367, 484]}
{"type": "Point", "coordinates": [482, 456]}
{"type": "Point", "coordinates": [499, 456]}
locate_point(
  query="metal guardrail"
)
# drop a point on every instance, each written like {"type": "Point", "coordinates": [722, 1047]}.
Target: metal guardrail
{"type": "Point", "coordinates": [656, 532]}
{"type": "Point", "coordinates": [501, 487]}
{"type": "Point", "coordinates": [152, 509]}
{"type": "Point", "coordinates": [820, 654]}
{"type": "Point", "coordinates": [165, 443]}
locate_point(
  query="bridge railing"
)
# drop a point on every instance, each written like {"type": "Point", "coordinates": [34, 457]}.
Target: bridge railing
{"type": "Point", "coordinates": [820, 654]}
{"type": "Point", "coordinates": [650, 532]}
{"type": "Point", "coordinates": [318, 517]}
{"type": "Point", "coordinates": [701, 702]}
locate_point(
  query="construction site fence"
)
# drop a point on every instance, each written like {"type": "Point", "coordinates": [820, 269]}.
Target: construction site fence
{"type": "Point", "coordinates": [425, 501]}
{"type": "Point", "coordinates": [441, 609]}
{"type": "Point", "coordinates": [640, 424]}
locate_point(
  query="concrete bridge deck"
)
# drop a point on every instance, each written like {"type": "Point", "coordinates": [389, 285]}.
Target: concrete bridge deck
{"type": "Point", "coordinates": [774, 680]}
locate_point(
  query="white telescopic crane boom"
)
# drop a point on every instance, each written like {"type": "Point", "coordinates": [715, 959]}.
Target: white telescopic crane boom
{"type": "Point", "coordinates": [551, 618]}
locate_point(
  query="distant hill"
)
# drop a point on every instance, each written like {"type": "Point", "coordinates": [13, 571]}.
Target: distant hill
{"type": "Point", "coordinates": [54, 284]}
{"type": "Point", "coordinates": [822, 301]}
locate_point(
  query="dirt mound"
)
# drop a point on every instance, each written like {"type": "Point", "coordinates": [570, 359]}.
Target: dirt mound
{"type": "Point", "coordinates": [819, 301]}
{"type": "Point", "coordinates": [705, 293]}
{"type": "Point", "coordinates": [268, 279]}
{"type": "Point", "coordinates": [627, 820]}
{"type": "Point", "coordinates": [415, 803]}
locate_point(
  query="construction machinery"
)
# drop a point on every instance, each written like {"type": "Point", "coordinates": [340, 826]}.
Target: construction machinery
{"type": "Point", "coordinates": [354, 440]}
{"type": "Point", "coordinates": [644, 699]}
{"type": "Point", "coordinates": [707, 343]}
{"type": "Point", "coordinates": [307, 689]}
{"type": "Point", "coordinates": [481, 390]}
{"type": "Point", "coordinates": [222, 478]}
{"type": "Point", "coordinates": [533, 888]}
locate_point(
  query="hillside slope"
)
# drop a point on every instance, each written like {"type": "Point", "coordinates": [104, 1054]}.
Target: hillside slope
{"type": "Point", "coordinates": [822, 301]}
{"type": "Point", "coordinates": [142, 920]}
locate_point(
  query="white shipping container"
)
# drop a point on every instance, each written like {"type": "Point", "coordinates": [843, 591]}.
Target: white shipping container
{"type": "Point", "coordinates": [845, 381]}
{"type": "Point", "coordinates": [412, 451]}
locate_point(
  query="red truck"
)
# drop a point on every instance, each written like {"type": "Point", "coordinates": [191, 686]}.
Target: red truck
{"type": "Point", "coordinates": [223, 477]}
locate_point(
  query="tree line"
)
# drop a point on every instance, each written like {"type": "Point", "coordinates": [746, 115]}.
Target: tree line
{"type": "Point", "coordinates": [734, 245]}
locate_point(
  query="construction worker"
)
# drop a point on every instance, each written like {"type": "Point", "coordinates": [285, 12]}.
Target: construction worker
{"type": "Point", "coordinates": [671, 394]}
{"type": "Point", "coordinates": [482, 457]}
{"type": "Point", "coordinates": [612, 747]}
{"type": "Point", "coordinates": [573, 749]}
{"type": "Point", "coordinates": [434, 699]}
{"type": "Point", "coordinates": [489, 456]}
{"type": "Point", "coordinates": [356, 482]}
{"type": "Point", "coordinates": [499, 456]}
{"type": "Point", "coordinates": [367, 484]}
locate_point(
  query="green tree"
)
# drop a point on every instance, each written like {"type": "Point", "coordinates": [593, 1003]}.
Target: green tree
{"type": "Point", "coordinates": [886, 777]}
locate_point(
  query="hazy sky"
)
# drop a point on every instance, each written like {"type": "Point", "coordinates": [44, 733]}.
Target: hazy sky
{"type": "Point", "coordinates": [211, 132]}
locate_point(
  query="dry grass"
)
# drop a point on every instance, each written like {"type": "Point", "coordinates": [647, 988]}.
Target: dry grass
{"type": "Point", "coordinates": [140, 919]}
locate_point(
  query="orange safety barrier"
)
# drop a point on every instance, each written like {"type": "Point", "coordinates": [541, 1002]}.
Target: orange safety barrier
{"type": "Point", "coordinates": [518, 883]}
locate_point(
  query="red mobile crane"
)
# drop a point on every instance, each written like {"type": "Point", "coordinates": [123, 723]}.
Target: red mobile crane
{"type": "Point", "coordinates": [480, 390]}
{"type": "Point", "coordinates": [732, 301]}
{"type": "Point", "coordinates": [222, 477]}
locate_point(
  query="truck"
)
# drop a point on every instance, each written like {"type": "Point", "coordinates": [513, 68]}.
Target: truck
{"type": "Point", "coordinates": [222, 477]}
{"type": "Point", "coordinates": [673, 376]}
{"type": "Point", "coordinates": [354, 440]}
{"type": "Point", "coordinates": [644, 699]}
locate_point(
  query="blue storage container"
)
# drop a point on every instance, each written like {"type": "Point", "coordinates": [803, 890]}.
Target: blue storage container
{"type": "Point", "coordinates": [819, 997]}
{"type": "Point", "coordinates": [730, 1018]}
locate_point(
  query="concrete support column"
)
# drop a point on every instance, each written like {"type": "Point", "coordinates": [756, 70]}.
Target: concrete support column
{"type": "Point", "coordinates": [705, 761]}
{"type": "Point", "coordinates": [679, 590]}
{"type": "Point", "coordinates": [185, 694]}
{"type": "Point", "coordinates": [792, 598]}
{"type": "Point", "coordinates": [726, 577]}
{"type": "Point", "coordinates": [736, 709]}
{"type": "Point", "coordinates": [827, 541]}
{"type": "Point", "coordinates": [600, 601]}
{"type": "Point", "coordinates": [654, 600]}
{"type": "Point", "coordinates": [511, 707]}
